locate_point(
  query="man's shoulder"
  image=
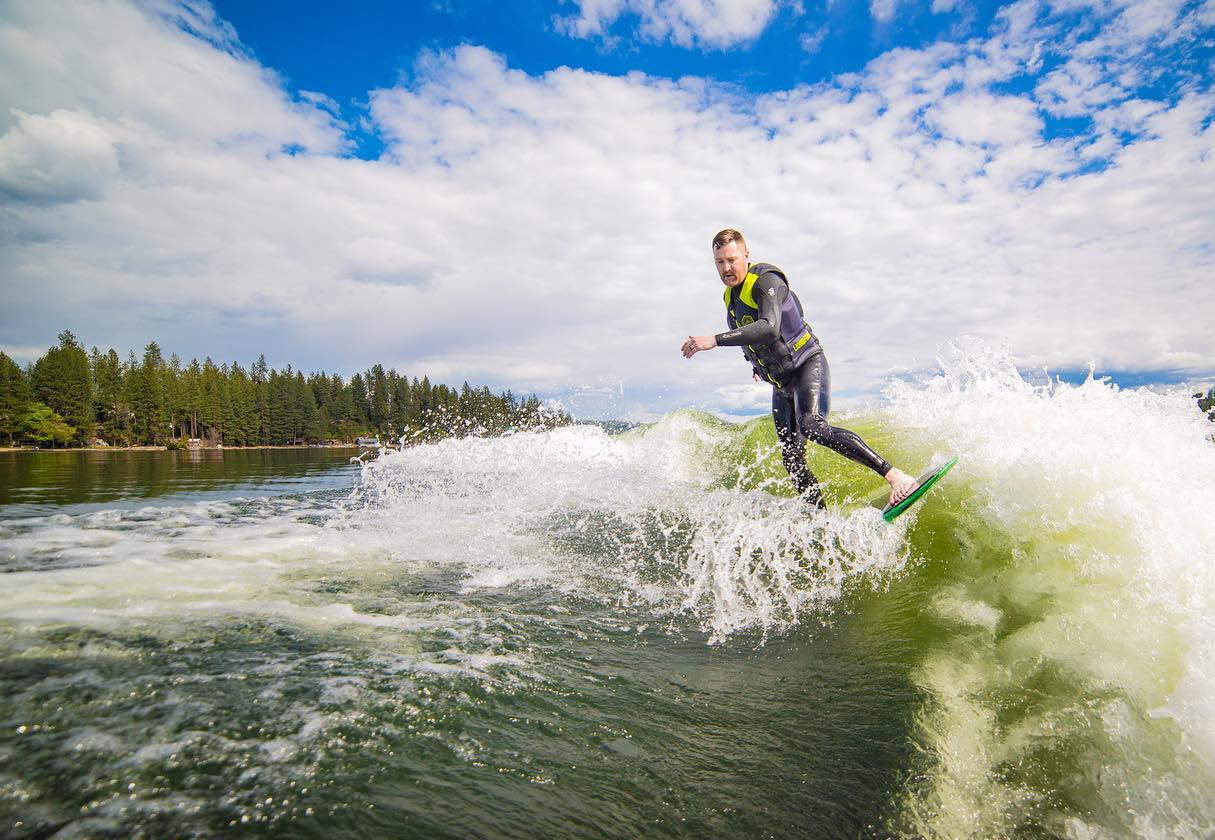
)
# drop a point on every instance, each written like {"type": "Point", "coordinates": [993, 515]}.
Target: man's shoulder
{"type": "Point", "coordinates": [768, 277]}
{"type": "Point", "coordinates": [763, 269]}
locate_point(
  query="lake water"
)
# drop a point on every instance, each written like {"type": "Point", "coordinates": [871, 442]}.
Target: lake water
{"type": "Point", "coordinates": [64, 481]}
{"type": "Point", "coordinates": [580, 635]}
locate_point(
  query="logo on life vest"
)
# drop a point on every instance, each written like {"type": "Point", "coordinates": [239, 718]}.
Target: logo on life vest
{"type": "Point", "coordinates": [747, 319]}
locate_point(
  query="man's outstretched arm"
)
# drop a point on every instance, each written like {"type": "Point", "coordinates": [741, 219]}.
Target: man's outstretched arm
{"type": "Point", "coordinates": [770, 295]}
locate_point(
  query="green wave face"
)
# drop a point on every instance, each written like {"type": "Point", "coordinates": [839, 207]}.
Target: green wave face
{"type": "Point", "coordinates": [1062, 613]}
{"type": "Point", "coordinates": [1055, 600]}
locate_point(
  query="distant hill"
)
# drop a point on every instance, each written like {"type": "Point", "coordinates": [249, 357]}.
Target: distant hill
{"type": "Point", "coordinates": [612, 427]}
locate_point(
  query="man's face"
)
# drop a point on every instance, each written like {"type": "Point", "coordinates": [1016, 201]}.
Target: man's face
{"type": "Point", "coordinates": [731, 260]}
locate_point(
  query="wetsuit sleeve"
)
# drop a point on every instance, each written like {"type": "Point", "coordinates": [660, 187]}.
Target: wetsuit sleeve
{"type": "Point", "coordinates": [770, 294]}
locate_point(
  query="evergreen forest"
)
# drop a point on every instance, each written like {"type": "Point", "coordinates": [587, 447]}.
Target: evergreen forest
{"type": "Point", "coordinates": [74, 397]}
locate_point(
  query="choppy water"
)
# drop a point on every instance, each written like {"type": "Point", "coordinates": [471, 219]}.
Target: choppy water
{"type": "Point", "coordinates": [577, 635]}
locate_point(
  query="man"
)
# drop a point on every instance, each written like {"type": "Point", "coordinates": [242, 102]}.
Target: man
{"type": "Point", "coordinates": [766, 321]}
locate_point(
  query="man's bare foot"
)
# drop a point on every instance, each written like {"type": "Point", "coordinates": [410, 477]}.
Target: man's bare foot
{"type": "Point", "coordinates": [901, 485]}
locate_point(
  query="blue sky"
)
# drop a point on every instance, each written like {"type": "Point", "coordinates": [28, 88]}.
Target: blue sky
{"type": "Point", "coordinates": [522, 194]}
{"type": "Point", "coordinates": [322, 46]}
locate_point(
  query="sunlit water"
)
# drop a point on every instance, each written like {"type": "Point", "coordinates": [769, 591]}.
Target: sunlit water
{"type": "Point", "coordinates": [573, 634]}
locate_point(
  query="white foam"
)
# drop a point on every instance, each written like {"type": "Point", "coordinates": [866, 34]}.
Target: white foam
{"type": "Point", "coordinates": [659, 534]}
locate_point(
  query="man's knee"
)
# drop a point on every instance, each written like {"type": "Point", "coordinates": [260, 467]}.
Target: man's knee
{"type": "Point", "coordinates": [814, 427]}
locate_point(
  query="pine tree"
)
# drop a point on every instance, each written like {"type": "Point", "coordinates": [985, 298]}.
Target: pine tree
{"type": "Point", "coordinates": [241, 423]}
{"type": "Point", "coordinates": [211, 407]}
{"type": "Point", "coordinates": [259, 373]}
{"type": "Point", "coordinates": [358, 396]}
{"type": "Point", "coordinates": [15, 397]}
{"type": "Point", "coordinates": [130, 387]}
{"type": "Point", "coordinates": [303, 408]}
{"type": "Point", "coordinates": [278, 392]}
{"type": "Point", "coordinates": [174, 395]}
{"type": "Point", "coordinates": [110, 409]}
{"type": "Point", "coordinates": [402, 404]}
{"type": "Point", "coordinates": [61, 379]}
{"type": "Point", "coordinates": [378, 394]}
{"type": "Point", "coordinates": [149, 397]}
{"type": "Point", "coordinates": [425, 397]}
{"type": "Point", "coordinates": [343, 412]}
{"type": "Point", "coordinates": [191, 391]}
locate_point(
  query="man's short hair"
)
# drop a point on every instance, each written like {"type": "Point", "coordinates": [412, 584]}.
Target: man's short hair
{"type": "Point", "coordinates": [725, 237]}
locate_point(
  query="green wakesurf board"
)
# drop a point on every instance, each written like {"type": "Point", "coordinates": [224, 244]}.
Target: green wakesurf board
{"type": "Point", "coordinates": [893, 512]}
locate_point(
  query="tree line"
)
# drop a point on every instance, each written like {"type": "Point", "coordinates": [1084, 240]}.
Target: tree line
{"type": "Point", "coordinates": [73, 397]}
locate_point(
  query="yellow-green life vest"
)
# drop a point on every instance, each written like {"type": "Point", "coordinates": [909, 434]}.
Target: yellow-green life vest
{"type": "Point", "coordinates": [777, 359]}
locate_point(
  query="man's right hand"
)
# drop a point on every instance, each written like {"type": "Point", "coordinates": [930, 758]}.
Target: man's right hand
{"type": "Point", "coordinates": [696, 343]}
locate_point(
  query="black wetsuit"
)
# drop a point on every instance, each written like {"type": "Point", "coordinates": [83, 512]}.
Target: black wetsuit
{"type": "Point", "coordinates": [801, 398]}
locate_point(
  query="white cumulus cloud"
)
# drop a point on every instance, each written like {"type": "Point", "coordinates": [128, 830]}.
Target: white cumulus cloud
{"type": "Point", "coordinates": [60, 156]}
{"type": "Point", "coordinates": [883, 11]}
{"type": "Point", "coordinates": [714, 24]}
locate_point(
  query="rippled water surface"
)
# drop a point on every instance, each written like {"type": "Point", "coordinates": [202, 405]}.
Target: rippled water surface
{"type": "Point", "coordinates": [51, 481]}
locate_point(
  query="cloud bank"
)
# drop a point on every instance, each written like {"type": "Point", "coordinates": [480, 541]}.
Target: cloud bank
{"type": "Point", "coordinates": [1046, 187]}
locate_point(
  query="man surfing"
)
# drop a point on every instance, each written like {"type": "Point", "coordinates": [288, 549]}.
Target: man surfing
{"type": "Point", "coordinates": [766, 321]}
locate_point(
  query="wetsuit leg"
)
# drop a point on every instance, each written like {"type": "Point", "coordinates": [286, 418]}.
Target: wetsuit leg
{"type": "Point", "coordinates": [793, 448]}
{"type": "Point", "coordinates": [811, 387]}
